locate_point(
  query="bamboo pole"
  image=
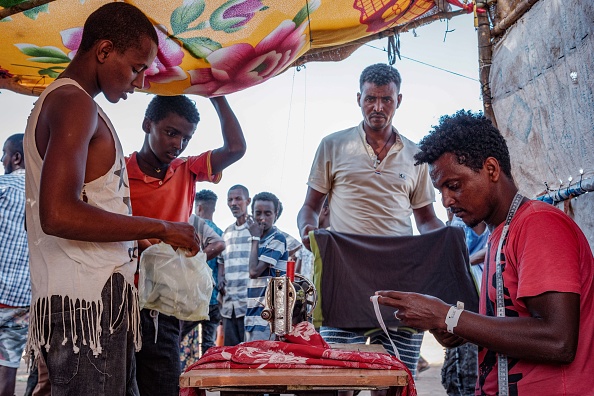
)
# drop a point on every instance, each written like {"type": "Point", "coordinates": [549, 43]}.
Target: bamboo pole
{"type": "Point", "coordinates": [27, 5]}
{"type": "Point", "coordinates": [485, 52]}
{"type": "Point", "coordinates": [423, 21]}
{"type": "Point", "coordinates": [512, 17]}
{"type": "Point", "coordinates": [14, 84]}
{"type": "Point", "coordinates": [500, 9]}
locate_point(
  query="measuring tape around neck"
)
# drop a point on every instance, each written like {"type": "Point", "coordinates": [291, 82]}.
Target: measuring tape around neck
{"type": "Point", "coordinates": [502, 369]}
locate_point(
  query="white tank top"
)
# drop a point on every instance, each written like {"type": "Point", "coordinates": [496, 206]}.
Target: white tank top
{"type": "Point", "coordinates": [63, 267]}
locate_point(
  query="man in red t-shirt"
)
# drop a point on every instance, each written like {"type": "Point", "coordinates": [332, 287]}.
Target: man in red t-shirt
{"type": "Point", "coordinates": [163, 186]}
{"type": "Point", "coordinates": [543, 331]}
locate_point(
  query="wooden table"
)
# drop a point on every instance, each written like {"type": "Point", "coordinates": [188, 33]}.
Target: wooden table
{"type": "Point", "coordinates": [326, 381]}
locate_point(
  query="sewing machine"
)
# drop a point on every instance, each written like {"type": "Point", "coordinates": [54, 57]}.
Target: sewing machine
{"type": "Point", "coordinates": [289, 300]}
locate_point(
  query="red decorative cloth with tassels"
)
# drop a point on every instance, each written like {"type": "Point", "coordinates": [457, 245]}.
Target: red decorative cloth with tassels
{"type": "Point", "coordinates": [304, 348]}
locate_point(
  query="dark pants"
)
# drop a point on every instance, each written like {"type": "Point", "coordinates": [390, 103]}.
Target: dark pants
{"type": "Point", "coordinates": [31, 380]}
{"type": "Point", "coordinates": [109, 373]}
{"type": "Point", "coordinates": [158, 364]}
{"type": "Point", "coordinates": [460, 370]}
{"type": "Point", "coordinates": [209, 328]}
{"type": "Point", "coordinates": [233, 329]}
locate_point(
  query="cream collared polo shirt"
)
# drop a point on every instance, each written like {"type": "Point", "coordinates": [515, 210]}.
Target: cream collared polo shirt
{"type": "Point", "coordinates": [364, 199]}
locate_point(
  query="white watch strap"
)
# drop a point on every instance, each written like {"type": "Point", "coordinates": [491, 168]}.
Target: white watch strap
{"type": "Point", "coordinates": [453, 315]}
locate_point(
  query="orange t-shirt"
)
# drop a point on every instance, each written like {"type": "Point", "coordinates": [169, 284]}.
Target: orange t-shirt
{"type": "Point", "coordinates": [172, 198]}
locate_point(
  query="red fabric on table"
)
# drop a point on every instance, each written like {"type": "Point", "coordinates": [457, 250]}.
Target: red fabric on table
{"type": "Point", "coordinates": [304, 349]}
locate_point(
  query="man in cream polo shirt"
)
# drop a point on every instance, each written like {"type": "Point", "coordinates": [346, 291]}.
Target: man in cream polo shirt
{"type": "Point", "coordinates": [373, 187]}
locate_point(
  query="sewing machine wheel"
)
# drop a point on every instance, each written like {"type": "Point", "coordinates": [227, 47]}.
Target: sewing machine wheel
{"type": "Point", "coordinates": [306, 299]}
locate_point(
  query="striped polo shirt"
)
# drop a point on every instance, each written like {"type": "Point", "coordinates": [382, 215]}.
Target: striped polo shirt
{"type": "Point", "coordinates": [272, 250]}
{"type": "Point", "coordinates": [235, 259]}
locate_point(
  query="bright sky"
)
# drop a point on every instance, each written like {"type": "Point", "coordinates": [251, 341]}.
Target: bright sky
{"type": "Point", "coordinates": [285, 118]}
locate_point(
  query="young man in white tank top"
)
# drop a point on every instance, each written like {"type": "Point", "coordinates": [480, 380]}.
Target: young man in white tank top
{"type": "Point", "coordinates": [84, 308]}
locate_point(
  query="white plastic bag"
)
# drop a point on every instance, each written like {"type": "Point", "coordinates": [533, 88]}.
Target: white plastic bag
{"type": "Point", "coordinates": [174, 284]}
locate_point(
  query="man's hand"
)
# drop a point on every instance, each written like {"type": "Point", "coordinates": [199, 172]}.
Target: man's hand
{"type": "Point", "coordinates": [221, 284]}
{"type": "Point", "coordinates": [446, 339]}
{"type": "Point", "coordinates": [305, 235]}
{"type": "Point", "coordinates": [182, 235]}
{"type": "Point", "coordinates": [144, 244]}
{"type": "Point", "coordinates": [416, 310]}
{"type": "Point", "coordinates": [221, 281]}
{"type": "Point", "coordinates": [255, 228]}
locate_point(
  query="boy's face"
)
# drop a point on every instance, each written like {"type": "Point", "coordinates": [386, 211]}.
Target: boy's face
{"type": "Point", "coordinates": [169, 137]}
{"type": "Point", "coordinates": [237, 202]}
{"type": "Point", "coordinates": [264, 214]}
{"type": "Point", "coordinates": [124, 72]}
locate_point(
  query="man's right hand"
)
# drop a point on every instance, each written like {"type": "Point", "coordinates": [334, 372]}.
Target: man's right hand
{"type": "Point", "coordinates": [182, 235]}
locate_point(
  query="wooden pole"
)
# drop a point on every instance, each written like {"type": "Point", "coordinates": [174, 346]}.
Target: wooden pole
{"type": "Point", "coordinates": [27, 5]}
{"type": "Point", "coordinates": [485, 52]}
{"type": "Point", "coordinates": [14, 84]}
{"type": "Point", "coordinates": [512, 17]}
{"type": "Point", "coordinates": [423, 21]}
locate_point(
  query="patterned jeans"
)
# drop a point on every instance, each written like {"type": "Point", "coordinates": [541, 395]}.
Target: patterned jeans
{"type": "Point", "coordinates": [111, 372]}
{"type": "Point", "coordinates": [14, 323]}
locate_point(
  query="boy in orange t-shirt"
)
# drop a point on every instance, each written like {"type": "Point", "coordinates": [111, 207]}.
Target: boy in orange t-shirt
{"type": "Point", "coordinates": [163, 186]}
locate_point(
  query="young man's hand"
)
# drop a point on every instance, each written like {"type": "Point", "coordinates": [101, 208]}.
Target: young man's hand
{"type": "Point", "coordinates": [255, 228]}
{"type": "Point", "coordinates": [182, 235]}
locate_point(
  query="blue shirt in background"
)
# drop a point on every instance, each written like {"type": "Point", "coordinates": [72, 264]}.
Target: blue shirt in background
{"type": "Point", "coordinates": [212, 263]}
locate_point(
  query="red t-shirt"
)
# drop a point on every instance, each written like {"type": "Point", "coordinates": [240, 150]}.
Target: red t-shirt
{"type": "Point", "coordinates": [544, 251]}
{"type": "Point", "coordinates": [172, 198]}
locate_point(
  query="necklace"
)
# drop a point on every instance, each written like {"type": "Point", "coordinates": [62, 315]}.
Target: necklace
{"type": "Point", "coordinates": [376, 160]}
{"type": "Point", "coordinates": [157, 169]}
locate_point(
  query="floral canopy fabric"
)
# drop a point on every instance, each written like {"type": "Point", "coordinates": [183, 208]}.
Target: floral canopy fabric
{"type": "Point", "coordinates": [206, 47]}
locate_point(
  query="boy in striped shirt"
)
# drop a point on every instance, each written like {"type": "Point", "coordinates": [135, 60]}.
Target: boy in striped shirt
{"type": "Point", "coordinates": [268, 258]}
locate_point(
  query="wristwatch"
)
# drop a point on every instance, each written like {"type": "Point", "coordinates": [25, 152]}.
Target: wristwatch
{"type": "Point", "coordinates": [453, 315]}
{"type": "Point", "coordinates": [253, 238]}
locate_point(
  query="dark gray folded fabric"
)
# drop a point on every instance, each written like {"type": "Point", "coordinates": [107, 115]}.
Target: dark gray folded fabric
{"type": "Point", "coordinates": [351, 268]}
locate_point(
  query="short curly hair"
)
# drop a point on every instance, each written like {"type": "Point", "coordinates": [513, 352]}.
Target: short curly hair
{"type": "Point", "coordinates": [161, 106]}
{"type": "Point", "coordinates": [266, 196]}
{"type": "Point", "coordinates": [16, 143]}
{"type": "Point", "coordinates": [470, 137]}
{"type": "Point", "coordinates": [206, 196]}
{"type": "Point", "coordinates": [380, 74]}
{"type": "Point", "coordinates": [243, 189]}
{"type": "Point", "coordinates": [121, 23]}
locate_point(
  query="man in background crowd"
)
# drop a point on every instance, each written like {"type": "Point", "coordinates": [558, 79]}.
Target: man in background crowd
{"type": "Point", "coordinates": [234, 267]}
{"type": "Point", "coordinates": [205, 206]}
{"type": "Point", "coordinates": [15, 284]}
